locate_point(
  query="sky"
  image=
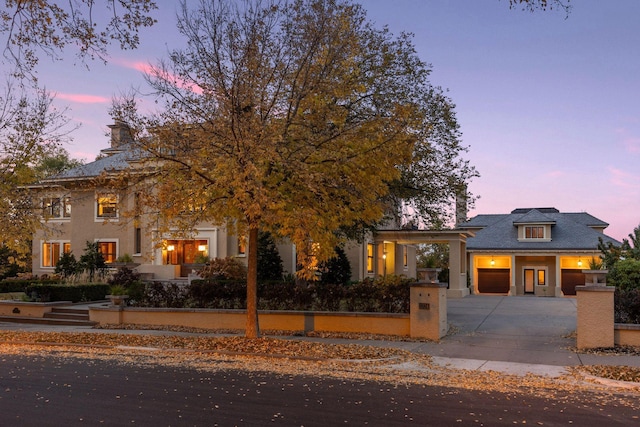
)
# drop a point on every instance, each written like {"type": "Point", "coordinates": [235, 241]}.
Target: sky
{"type": "Point", "coordinates": [548, 104]}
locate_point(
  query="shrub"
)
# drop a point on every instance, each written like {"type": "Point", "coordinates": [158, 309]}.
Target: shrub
{"type": "Point", "coordinates": [230, 294]}
{"type": "Point", "coordinates": [280, 295]}
{"type": "Point", "coordinates": [224, 269]}
{"type": "Point", "coordinates": [336, 270]}
{"type": "Point", "coordinates": [124, 277]}
{"type": "Point", "coordinates": [327, 296]}
{"type": "Point", "coordinates": [67, 265]}
{"type": "Point", "coordinates": [75, 293]}
{"type": "Point", "coordinates": [625, 274]}
{"type": "Point", "coordinates": [159, 295]}
{"type": "Point", "coordinates": [627, 306]}
{"type": "Point", "coordinates": [269, 260]}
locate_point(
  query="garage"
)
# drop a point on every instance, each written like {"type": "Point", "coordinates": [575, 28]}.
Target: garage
{"type": "Point", "coordinates": [571, 279]}
{"type": "Point", "coordinates": [494, 280]}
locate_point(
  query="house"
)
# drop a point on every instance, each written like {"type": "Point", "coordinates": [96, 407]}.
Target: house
{"type": "Point", "coordinates": [80, 206]}
{"type": "Point", "coordinates": [537, 251]}
{"type": "Point", "coordinates": [77, 209]}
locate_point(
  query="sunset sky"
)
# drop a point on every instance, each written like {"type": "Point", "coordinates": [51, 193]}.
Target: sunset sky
{"type": "Point", "coordinates": [548, 104]}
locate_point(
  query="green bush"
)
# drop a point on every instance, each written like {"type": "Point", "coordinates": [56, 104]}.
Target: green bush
{"type": "Point", "coordinates": [230, 294]}
{"type": "Point", "coordinates": [625, 274]}
{"type": "Point", "coordinates": [390, 294]}
{"type": "Point", "coordinates": [73, 293]}
{"type": "Point", "coordinates": [336, 270]}
{"type": "Point", "coordinates": [627, 306]}
{"type": "Point", "coordinates": [228, 268]}
{"type": "Point", "coordinates": [280, 295]}
{"type": "Point", "coordinates": [20, 285]}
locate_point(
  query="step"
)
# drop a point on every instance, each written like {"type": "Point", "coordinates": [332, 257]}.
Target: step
{"type": "Point", "coordinates": [47, 321]}
{"type": "Point", "coordinates": [67, 313]}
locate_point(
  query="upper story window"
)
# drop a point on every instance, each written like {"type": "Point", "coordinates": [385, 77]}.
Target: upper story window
{"type": "Point", "coordinates": [107, 206]}
{"type": "Point", "coordinates": [534, 232]}
{"type": "Point", "coordinates": [56, 207]}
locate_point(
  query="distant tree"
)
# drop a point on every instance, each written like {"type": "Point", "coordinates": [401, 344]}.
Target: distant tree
{"type": "Point", "coordinates": [434, 255]}
{"type": "Point", "coordinates": [269, 260]}
{"type": "Point", "coordinates": [55, 162]}
{"type": "Point", "coordinates": [629, 249]}
{"type": "Point", "coordinates": [31, 130]}
{"type": "Point", "coordinates": [10, 263]}
{"type": "Point", "coordinates": [336, 270]}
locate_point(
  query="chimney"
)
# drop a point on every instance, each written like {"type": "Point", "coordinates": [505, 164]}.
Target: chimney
{"type": "Point", "coordinates": [120, 135]}
{"type": "Point", "coordinates": [461, 205]}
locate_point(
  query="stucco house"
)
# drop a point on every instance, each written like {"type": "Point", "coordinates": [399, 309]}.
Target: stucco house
{"type": "Point", "coordinates": [537, 251]}
{"type": "Point", "coordinates": [77, 207]}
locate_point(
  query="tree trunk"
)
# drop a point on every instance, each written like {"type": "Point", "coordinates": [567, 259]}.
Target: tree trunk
{"type": "Point", "coordinates": [253, 329]}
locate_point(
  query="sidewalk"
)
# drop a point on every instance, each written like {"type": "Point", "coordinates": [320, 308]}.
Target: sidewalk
{"type": "Point", "coordinates": [515, 335]}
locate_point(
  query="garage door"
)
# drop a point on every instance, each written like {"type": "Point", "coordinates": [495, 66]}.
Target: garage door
{"type": "Point", "coordinates": [571, 279]}
{"type": "Point", "coordinates": [493, 280]}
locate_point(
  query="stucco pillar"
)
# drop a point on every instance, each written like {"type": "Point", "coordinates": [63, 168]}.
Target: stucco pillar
{"type": "Point", "coordinates": [428, 311]}
{"type": "Point", "coordinates": [457, 270]}
{"type": "Point", "coordinates": [595, 324]}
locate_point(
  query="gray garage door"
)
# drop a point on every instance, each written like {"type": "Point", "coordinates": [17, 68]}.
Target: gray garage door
{"type": "Point", "coordinates": [493, 280]}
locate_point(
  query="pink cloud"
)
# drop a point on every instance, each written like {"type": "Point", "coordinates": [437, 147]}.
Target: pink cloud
{"type": "Point", "coordinates": [624, 179]}
{"type": "Point", "coordinates": [146, 68]}
{"type": "Point", "coordinates": [631, 143]}
{"type": "Point", "coordinates": [555, 174]}
{"type": "Point", "coordinates": [82, 98]}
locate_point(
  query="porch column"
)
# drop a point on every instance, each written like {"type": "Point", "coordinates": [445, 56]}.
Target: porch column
{"type": "Point", "coordinates": [457, 269]}
{"type": "Point", "coordinates": [512, 289]}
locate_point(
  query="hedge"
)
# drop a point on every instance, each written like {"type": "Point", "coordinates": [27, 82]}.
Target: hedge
{"type": "Point", "coordinates": [47, 292]}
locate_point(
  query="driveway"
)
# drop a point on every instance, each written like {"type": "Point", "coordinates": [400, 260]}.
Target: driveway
{"type": "Point", "coordinates": [522, 329]}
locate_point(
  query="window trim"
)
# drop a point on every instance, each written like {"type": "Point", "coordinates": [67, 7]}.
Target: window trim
{"type": "Point", "coordinates": [534, 230]}
{"type": "Point", "coordinates": [371, 258]}
{"type": "Point", "coordinates": [64, 244]}
{"type": "Point", "coordinates": [64, 203]}
{"type": "Point", "coordinates": [96, 205]}
{"type": "Point", "coordinates": [108, 241]}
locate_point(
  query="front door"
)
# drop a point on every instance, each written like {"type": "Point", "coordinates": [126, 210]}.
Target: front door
{"type": "Point", "coordinates": [529, 280]}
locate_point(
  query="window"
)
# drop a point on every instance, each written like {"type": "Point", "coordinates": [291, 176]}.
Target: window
{"type": "Point", "coordinates": [541, 277]}
{"type": "Point", "coordinates": [108, 251]}
{"type": "Point", "coordinates": [106, 206]}
{"type": "Point", "coordinates": [370, 252]}
{"type": "Point", "coordinates": [405, 256]}
{"type": "Point", "coordinates": [534, 232]}
{"type": "Point", "coordinates": [56, 207]}
{"type": "Point", "coordinates": [137, 240]}
{"type": "Point", "coordinates": [51, 252]}
{"type": "Point", "coordinates": [242, 245]}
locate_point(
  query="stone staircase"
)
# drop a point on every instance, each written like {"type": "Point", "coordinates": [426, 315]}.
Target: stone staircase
{"type": "Point", "coordinates": [63, 316]}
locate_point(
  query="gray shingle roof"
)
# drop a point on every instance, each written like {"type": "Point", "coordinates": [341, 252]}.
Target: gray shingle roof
{"type": "Point", "coordinates": [569, 231]}
{"type": "Point", "coordinates": [118, 161]}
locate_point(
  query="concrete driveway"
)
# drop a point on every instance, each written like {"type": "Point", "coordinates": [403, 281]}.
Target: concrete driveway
{"type": "Point", "coordinates": [534, 330]}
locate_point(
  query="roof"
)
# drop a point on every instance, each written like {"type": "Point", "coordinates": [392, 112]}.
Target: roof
{"type": "Point", "coordinates": [116, 160]}
{"type": "Point", "coordinates": [570, 231]}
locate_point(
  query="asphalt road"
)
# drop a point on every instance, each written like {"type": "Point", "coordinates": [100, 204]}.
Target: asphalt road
{"type": "Point", "coordinates": [46, 391]}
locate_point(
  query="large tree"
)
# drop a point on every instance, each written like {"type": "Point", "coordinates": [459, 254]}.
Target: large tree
{"type": "Point", "coordinates": [31, 131]}
{"type": "Point", "coordinates": [296, 118]}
